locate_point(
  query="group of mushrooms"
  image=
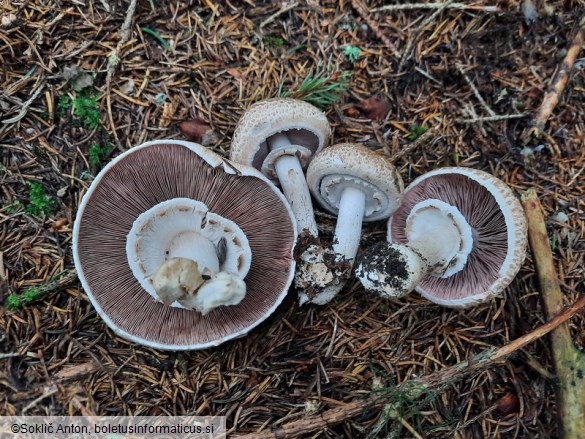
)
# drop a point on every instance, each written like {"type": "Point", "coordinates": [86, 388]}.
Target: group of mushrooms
{"type": "Point", "coordinates": [179, 248]}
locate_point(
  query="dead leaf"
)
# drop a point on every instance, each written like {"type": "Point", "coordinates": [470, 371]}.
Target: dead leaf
{"type": "Point", "coordinates": [352, 112]}
{"type": "Point", "coordinates": [75, 371]}
{"type": "Point", "coordinates": [508, 404]}
{"type": "Point", "coordinates": [169, 109]}
{"type": "Point", "coordinates": [199, 130]}
{"type": "Point", "coordinates": [375, 107]}
{"type": "Point", "coordinates": [77, 77]}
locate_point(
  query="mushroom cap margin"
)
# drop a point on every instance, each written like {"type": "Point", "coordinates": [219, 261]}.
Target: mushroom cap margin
{"type": "Point", "coordinates": [271, 116]}
{"type": "Point", "coordinates": [356, 161]}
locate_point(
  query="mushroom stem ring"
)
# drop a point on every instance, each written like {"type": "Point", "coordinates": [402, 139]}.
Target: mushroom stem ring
{"type": "Point", "coordinates": [441, 233]}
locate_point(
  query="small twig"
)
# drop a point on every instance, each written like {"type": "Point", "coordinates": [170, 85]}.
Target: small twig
{"type": "Point", "coordinates": [364, 12]}
{"type": "Point", "coordinates": [435, 382]}
{"type": "Point", "coordinates": [49, 392]}
{"type": "Point", "coordinates": [414, 145]}
{"type": "Point", "coordinates": [569, 362]}
{"type": "Point", "coordinates": [495, 118]}
{"type": "Point", "coordinates": [410, 428]}
{"type": "Point", "coordinates": [25, 106]}
{"type": "Point", "coordinates": [114, 61]}
{"type": "Point", "coordinates": [463, 6]}
{"type": "Point", "coordinates": [114, 58]}
{"type": "Point", "coordinates": [475, 91]}
{"type": "Point", "coordinates": [10, 355]}
{"type": "Point", "coordinates": [284, 9]}
{"type": "Point", "coordinates": [410, 44]}
{"type": "Point", "coordinates": [106, 5]}
{"type": "Point", "coordinates": [472, 420]}
{"type": "Point", "coordinates": [49, 287]}
{"type": "Point", "coordinates": [558, 84]}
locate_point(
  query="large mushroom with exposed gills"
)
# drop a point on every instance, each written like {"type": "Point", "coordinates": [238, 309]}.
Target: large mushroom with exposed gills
{"type": "Point", "coordinates": [458, 238]}
{"type": "Point", "coordinates": [279, 137]}
{"type": "Point", "coordinates": [177, 248]}
{"type": "Point", "coordinates": [357, 184]}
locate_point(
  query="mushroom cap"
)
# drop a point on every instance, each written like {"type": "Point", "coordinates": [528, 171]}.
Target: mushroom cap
{"type": "Point", "coordinates": [499, 232]}
{"type": "Point", "coordinates": [147, 175]}
{"type": "Point", "coordinates": [350, 164]}
{"type": "Point", "coordinates": [305, 125]}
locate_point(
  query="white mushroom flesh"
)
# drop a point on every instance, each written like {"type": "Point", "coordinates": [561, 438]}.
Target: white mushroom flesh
{"type": "Point", "coordinates": [184, 229]}
{"type": "Point", "coordinates": [223, 289]}
{"type": "Point", "coordinates": [176, 278]}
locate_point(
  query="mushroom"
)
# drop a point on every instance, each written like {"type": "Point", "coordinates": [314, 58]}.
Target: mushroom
{"type": "Point", "coordinates": [172, 223]}
{"type": "Point", "coordinates": [279, 137]}
{"type": "Point", "coordinates": [358, 185]}
{"type": "Point", "coordinates": [173, 249]}
{"type": "Point", "coordinates": [459, 238]}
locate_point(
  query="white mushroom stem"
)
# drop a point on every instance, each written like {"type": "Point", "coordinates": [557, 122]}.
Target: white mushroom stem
{"type": "Point", "coordinates": [349, 223]}
{"type": "Point", "coordinates": [294, 186]}
{"type": "Point", "coordinates": [439, 242]}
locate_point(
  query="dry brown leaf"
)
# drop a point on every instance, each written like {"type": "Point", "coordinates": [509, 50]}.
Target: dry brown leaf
{"type": "Point", "coordinates": [375, 107]}
{"type": "Point", "coordinates": [508, 404]}
{"type": "Point", "coordinates": [199, 130]}
{"type": "Point", "coordinates": [169, 109]}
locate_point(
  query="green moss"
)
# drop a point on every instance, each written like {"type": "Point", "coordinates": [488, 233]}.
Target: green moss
{"type": "Point", "coordinates": [97, 153]}
{"type": "Point", "coordinates": [63, 105]}
{"type": "Point", "coordinates": [39, 202]}
{"type": "Point", "coordinates": [415, 132]}
{"type": "Point", "coordinates": [352, 53]}
{"type": "Point", "coordinates": [86, 108]}
{"type": "Point", "coordinates": [272, 41]}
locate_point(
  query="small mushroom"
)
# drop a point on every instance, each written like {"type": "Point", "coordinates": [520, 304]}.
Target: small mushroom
{"type": "Point", "coordinates": [166, 216]}
{"type": "Point", "coordinates": [358, 185]}
{"type": "Point", "coordinates": [279, 137]}
{"type": "Point", "coordinates": [459, 237]}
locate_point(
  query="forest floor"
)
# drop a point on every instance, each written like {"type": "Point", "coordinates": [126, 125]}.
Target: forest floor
{"type": "Point", "coordinates": [473, 78]}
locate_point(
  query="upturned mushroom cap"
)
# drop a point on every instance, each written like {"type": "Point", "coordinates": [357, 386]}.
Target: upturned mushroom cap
{"type": "Point", "coordinates": [304, 124]}
{"type": "Point", "coordinates": [498, 226]}
{"type": "Point", "coordinates": [353, 165]}
{"type": "Point", "coordinates": [146, 176]}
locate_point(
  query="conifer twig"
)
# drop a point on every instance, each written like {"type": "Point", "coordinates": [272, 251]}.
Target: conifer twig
{"type": "Point", "coordinates": [558, 84]}
{"type": "Point", "coordinates": [569, 362]}
{"type": "Point", "coordinates": [414, 389]}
